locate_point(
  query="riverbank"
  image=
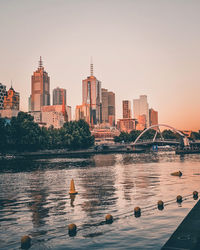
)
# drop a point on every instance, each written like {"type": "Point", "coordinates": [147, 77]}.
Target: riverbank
{"type": "Point", "coordinates": [62, 153]}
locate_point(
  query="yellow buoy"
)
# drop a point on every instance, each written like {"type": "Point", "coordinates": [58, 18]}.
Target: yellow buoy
{"type": "Point", "coordinates": [137, 211]}
{"type": "Point", "coordinates": [179, 173]}
{"type": "Point", "coordinates": [72, 188]}
{"type": "Point", "coordinates": [72, 229]}
{"type": "Point", "coordinates": [160, 205]}
{"type": "Point", "coordinates": [179, 199]}
{"type": "Point", "coordinates": [195, 195]}
{"type": "Point", "coordinates": [25, 242]}
{"type": "Point", "coordinates": [109, 219]}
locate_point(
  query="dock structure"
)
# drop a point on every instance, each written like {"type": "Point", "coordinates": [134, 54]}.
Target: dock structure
{"type": "Point", "coordinates": [187, 235]}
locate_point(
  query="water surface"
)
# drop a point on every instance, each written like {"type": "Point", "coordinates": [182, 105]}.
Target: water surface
{"type": "Point", "coordinates": [34, 200]}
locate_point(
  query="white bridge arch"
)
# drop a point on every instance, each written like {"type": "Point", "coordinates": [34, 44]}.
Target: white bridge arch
{"type": "Point", "coordinates": [158, 126]}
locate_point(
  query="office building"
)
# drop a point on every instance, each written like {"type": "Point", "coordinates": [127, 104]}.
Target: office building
{"type": "Point", "coordinates": [153, 117]}
{"type": "Point", "coordinates": [111, 108]}
{"type": "Point", "coordinates": [141, 108]}
{"type": "Point", "coordinates": [126, 125]}
{"type": "Point", "coordinates": [108, 107]}
{"type": "Point", "coordinates": [91, 95]}
{"type": "Point", "coordinates": [40, 86]}
{"type": "Point", "coordinates": [126, 109]}
{"type": "Point", "coordinates": [58, 94]}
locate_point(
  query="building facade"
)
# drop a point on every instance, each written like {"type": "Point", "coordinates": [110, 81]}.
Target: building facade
{"type": "Point", "coordinates": [58, 94]}
{"type": "Point", "coordinates": [104, 98]}
{"type": "Point", "coordinates": [83, 112]}
{"type": "Point", "coordinates": [11, 100]}
{"type": "Point", "coordinates": [141, 108]}
{"type": "Point", "coordinates": [153, 117]}
{"type": "Point", "coordinates": [108, 107]}
{"type": "Point", "coordinates": [111, 108]}
{"type": "Point", "coordinates": [40, 86]}
{"type": "Point", "coordinates": [126, 107]}
{"type": "Point", "coordinates": [91, 95]}
{"type": "Point", "coordinates": [2, 94]}
{"type": "Point", "coordinates": [126, 125]}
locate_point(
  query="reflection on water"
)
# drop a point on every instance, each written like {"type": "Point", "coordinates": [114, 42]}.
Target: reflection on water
{"type": "Point", "coordinates": [35, 200]}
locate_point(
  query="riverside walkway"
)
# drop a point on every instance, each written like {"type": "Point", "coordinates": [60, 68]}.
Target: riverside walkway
{"type": "Point", "coordinates": [187, 235]}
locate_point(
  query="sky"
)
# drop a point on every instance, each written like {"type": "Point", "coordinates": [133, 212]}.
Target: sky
{"type": "Point", "coordinates": [138, 47]}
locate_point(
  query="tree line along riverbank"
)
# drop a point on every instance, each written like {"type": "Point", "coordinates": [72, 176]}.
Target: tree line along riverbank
{"type": "Point", "coordinates": [21, 134]}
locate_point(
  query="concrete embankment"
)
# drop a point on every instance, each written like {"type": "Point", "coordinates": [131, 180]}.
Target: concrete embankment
{"type": "Point", "coordinates": [77, 153]}
{"type": "Point", "coordinates": [187, 235]}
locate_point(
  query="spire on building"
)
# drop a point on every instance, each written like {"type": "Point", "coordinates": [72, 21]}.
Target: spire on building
{"type": "Point", "coordinates": [91, 67]}
{"type": "Point", "coordinates": [11, 87]}
{"type": "Point", "coordinates": [40, 63]}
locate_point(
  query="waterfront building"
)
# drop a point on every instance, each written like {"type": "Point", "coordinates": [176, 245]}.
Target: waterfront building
{"type": "Point", "coordinates": [104, 135]}
{"type": "Point", "coordinates": [153, 117]}
{"type": "Point", "coordinates": [140, 108]}
{"type": "Point", "coordinates": [126, 106]}
{"type": "Point", "coordinates": [40, 85]}
{"type": "Point", "coordinates": [2, 94]}
{"type": "Point", "coordinates": [126, 125]}
{"type": "Point", "coordinates": [91, 95]}
{"type": "Point", "coordinates": [58, 94]}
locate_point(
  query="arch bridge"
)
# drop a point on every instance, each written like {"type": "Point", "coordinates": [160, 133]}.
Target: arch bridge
{"type": "Point", "coordinates": [185, 139]}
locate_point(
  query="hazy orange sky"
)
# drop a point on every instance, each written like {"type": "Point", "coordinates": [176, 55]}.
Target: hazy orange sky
{"type": "Point", "coordinates": [138, 47]}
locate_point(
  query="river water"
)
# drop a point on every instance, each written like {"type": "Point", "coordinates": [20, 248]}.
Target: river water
{"type": "Point", "coordinates": [34, 200]}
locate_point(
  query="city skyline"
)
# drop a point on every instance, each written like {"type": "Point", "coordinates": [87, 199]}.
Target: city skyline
{"type": "Point", "coordinates": [152, 50]}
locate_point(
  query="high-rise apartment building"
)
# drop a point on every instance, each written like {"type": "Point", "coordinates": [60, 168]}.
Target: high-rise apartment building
{"type": "Point", "coordinates": [40, 85]}
{"type": "Point", "coordinates": [91, 94]}
{"type": "Point", "coordinates": [2, 94]}
{"type": "Point", "coordinates": [58, 95]}
{"type": "Point", "coordinates": [153, 117]}
{"type": "Point", "coordinates": [126, 109]}
{"type": "Point", "coordinates": [141, 107]}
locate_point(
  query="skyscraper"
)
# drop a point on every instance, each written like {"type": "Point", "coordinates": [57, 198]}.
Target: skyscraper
{"type": "Point", "coordinates": [111, 108]}
{"type": "Point", "coordinates": [141, 107]}
{"type": "Point", "coordinates": [104, 96]}
{"type": "Point", "coordinates": [153, 117]}
{"type": "Point", "coordinates": [91, 94]}
{"type": "Point", "coordinates": [40, 84]}
{"type": "Point", "coordinates": [126, 109]}
{"type": "Point", "coordinates": [58, 94]}
{"type": "Point", "coordinates": [2, 94]}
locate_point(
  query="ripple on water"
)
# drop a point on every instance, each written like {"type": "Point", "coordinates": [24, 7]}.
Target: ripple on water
{"type": "Point", "coordinates": [34, 200]}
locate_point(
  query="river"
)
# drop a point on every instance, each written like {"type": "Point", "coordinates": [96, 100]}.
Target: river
{"type": "Point", "coordinates": [34, 200]}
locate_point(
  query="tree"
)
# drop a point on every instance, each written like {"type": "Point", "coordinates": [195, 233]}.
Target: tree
{"type": "Point", "coordinates": [24, 133]}
{"type": "Point", "coordinates": [3, 135]}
